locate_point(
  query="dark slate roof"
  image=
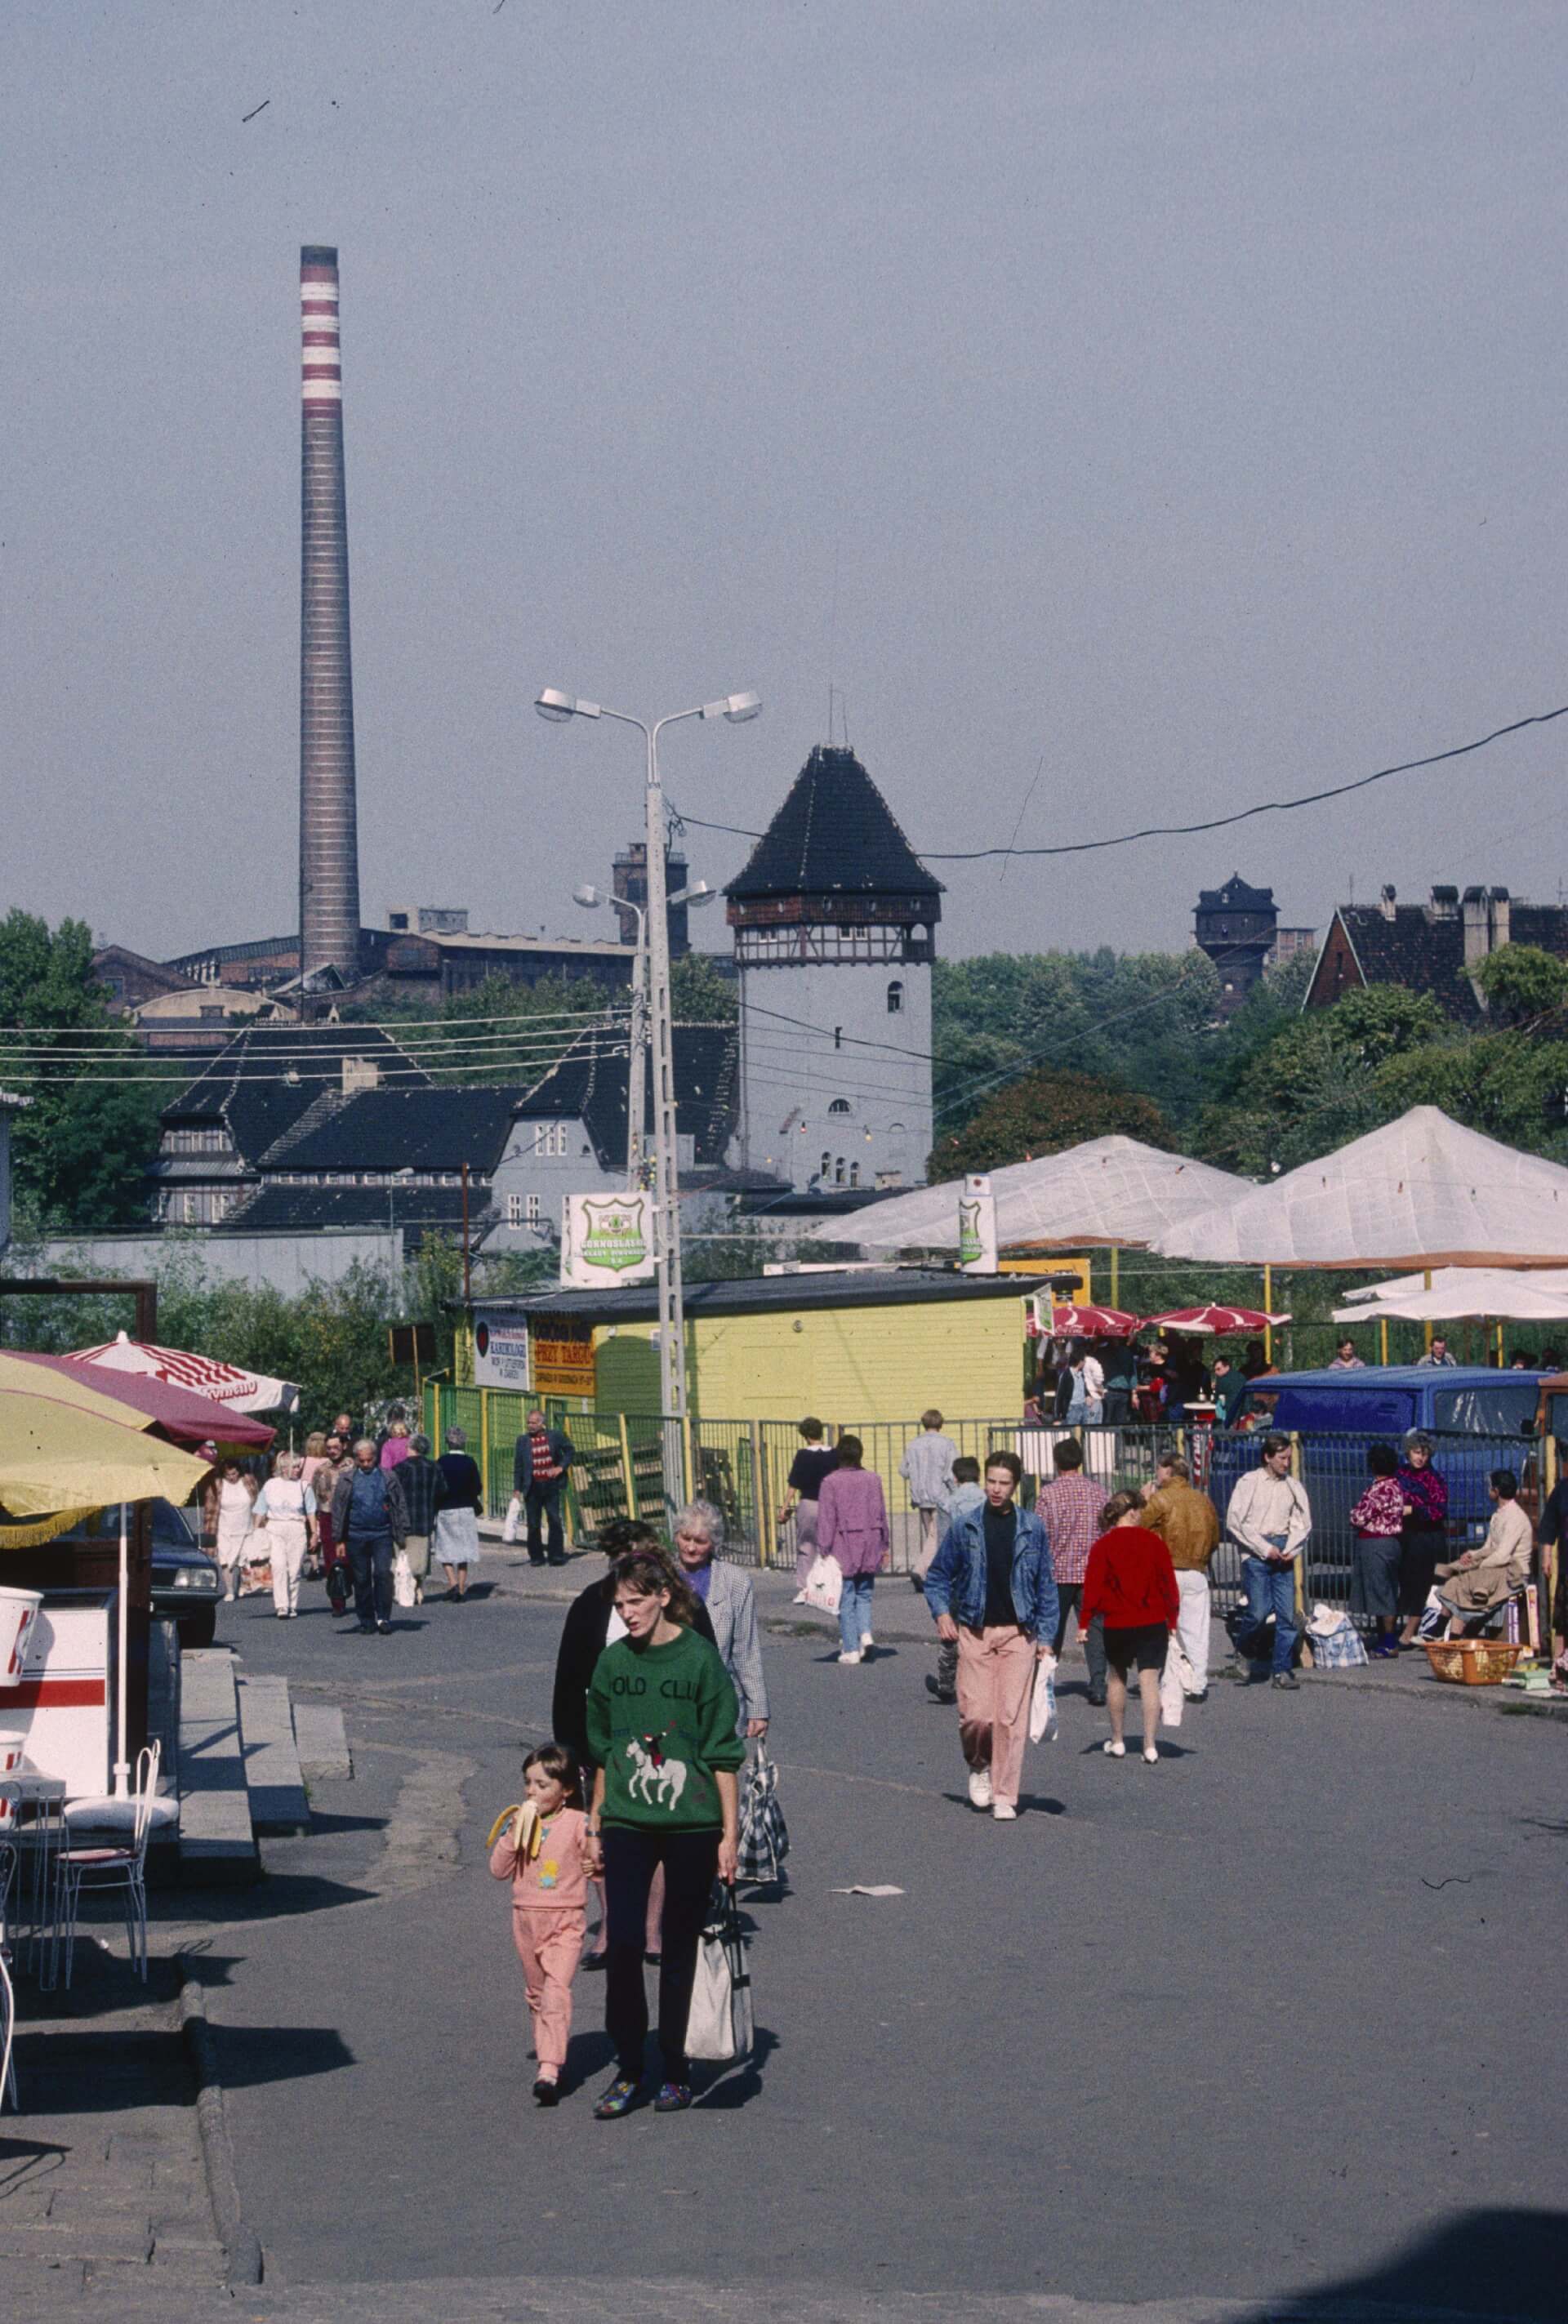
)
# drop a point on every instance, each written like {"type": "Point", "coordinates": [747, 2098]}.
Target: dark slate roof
{"type": "Point", "coordinates": [306, 1210]}
{"type": "Point", "coordinates": [589, 1085]}
{"type": "Point", "coordinates": [399, 1129]}
{"type": "Point", "coordinates": [1426, 952]}
{"type": "Point", "coordinates": [269, 1074]}
{"type": "Point", "coordinates": [835, 835]}
{"type": "Point", "coordinates": [901, 1286]}
{"type": "Point", "coordinates": [1236, 896]}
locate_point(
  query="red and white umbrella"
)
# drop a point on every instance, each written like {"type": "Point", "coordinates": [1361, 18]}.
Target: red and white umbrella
{"type": "Point", "coordinates": [1221, 1321]}
{"type": "Point", "coordinates": [1092, 1323]}
{"type": "Point", "coordinates": [226, 1384]}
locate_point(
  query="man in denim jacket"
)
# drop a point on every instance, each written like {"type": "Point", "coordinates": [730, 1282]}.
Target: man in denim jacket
{"type": "Point", "coordinates": [991, 1588]}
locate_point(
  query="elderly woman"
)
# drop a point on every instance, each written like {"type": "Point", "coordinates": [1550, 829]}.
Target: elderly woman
{"type": "Point", "coordinates": [236, 1508]}
{"type": "Point", "coordinates": [1425, 1532]}
{"type": "Point", "coordinates": [726, 1592]}
{"type": "Point", "coordinates": [1477, 1584]}
{"type": "Point", "coordinates": [420, 1479]}
{"type": "Point", "coordinates": [286, 1508]}
{"type": "Point", "coordinates": [1378, 1522]}
{"type": "Point", "coordinates": [458, 1497]}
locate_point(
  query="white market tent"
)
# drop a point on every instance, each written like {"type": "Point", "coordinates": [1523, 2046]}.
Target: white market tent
{"type": "Point", "coordinates": [1107, 1190]}
{"type": "Point", "coordinates": [1535, 1295]}
{"type": "Point", "coordinates": [1421, 1192]}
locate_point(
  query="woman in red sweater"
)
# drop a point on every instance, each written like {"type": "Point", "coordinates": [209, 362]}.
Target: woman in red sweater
{"type": "Point", "coordinates": [1130, 1583]}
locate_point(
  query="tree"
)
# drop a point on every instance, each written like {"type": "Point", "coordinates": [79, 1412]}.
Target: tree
{"type": "Point", "coordinates": [1045, 1113]}
{"type": "Point", "coordinates": [1520, 983]}
{"type": "Point", "coordinates": [1505, 1084]}
{"type": "Point", "coordinates": [698, 994]}
{"type": "Point", "coordinates": [81, 1147]}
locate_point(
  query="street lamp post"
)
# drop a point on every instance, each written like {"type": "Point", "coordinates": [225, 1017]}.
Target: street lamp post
{"type": "Point", "coordinates": [699, 892]}
{"type": "Point", "coordinates": [737, 708]}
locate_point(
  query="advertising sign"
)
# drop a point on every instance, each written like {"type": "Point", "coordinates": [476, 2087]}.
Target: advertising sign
{"type": "Point", "coordinates": [563, 1358]}
{"type": "Point", "coordinates": [976, 1227]}
{"type": "Point", "coordinates": [606, 1239]}
{"type": "Point", "coordinates": [500, 1355]}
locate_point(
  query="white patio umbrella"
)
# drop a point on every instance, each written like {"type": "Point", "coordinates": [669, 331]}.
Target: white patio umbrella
{"type": "Point", "coordinates": [1457, 1293]}
{"type": "Point", "coordinates": [228, 1383]}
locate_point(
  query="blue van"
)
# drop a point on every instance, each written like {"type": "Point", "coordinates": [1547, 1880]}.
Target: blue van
{"type": "Point", "coordinates": [1479, 1420]}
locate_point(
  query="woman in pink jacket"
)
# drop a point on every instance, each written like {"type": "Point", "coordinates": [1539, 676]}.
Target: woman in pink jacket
{"type": "Point", "coordinates": [851, 1528]}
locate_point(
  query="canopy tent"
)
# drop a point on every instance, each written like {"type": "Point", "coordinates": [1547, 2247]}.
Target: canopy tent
{"type": "Point", "coordinates": [1107, 1190]}
{"type": "Point", "coordinates": [1458, 1292]}
{"type": "Point", "coordinates": [1223, 1323]}
{"type": "Point", "coordinates": [1086, 1322]}
{"type": "Point", "coordinates": [1366, 1296]}
{"type": "Point", "coordinates": [1421, 1191]}
{"type": "Point", "coordinates": [174, 1412]}
{"type": "Point", "coordinates": [226, 1384]}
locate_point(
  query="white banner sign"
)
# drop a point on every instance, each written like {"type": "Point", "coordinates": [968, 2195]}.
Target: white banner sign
{"type": "Point", "coordinates": [500, 1355]}
{"type": "Point", "coordinates": [976, 1227]}
{"type": "Point", "coordinates": [606, 1240]}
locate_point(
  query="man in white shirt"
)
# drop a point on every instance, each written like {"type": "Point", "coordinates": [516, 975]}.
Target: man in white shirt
{"type": "Point", "coordinates": [1435, 1358]}
{"type": "Point", "coordinates": [1269, 1518]}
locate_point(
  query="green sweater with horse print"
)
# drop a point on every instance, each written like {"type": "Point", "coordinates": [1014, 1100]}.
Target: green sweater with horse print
{"type": "Point", "coordinates": [660, 1721]}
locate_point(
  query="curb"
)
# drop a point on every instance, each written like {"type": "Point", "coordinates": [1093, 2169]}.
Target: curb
{"type": "Point", "coordinates": [242, 2245]}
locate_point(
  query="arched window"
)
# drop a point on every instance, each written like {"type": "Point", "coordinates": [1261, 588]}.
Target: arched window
{"type": "Point", "coordinates": [854, 1174]}
{"type": "Point", "coordinates": [838, 1172]}
{"type": "Point", "coordinates": [839, 1105]}
{"type": "Point", "coordinates": [896, 998]}
{"type": "Point", "coordinates": [826, 1166]}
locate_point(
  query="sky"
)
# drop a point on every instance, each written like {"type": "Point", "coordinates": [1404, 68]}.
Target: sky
{"type": "Point", "coordinates": [1120, 413]}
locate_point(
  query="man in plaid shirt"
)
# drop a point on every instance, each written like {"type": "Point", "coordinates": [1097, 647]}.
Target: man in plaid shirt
{"type": "Point", "coordinates": [1070, 1507]}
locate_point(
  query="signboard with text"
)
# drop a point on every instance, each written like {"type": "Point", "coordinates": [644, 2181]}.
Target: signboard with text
{"type": "Point", "coordinates": [563, 1357]}
{"type": "Point", "coordinates": [606, 1240]}
{"type": "Point", "coordinates": [500, 1355]}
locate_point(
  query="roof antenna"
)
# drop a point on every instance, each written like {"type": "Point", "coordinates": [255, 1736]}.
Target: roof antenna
{"type": "Point", "coordinates": [832, 643]}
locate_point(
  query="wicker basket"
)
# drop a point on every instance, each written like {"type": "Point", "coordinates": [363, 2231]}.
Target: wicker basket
{"type": "Point", "coordinates": [1472, 1661]}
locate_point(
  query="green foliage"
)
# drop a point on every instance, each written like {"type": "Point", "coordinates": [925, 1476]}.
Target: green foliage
{"type": "Point", "coordinates": [515, 1032]}
{"type": "Point", "coordinates": [699, 995]}
{"type": "Point", "coordinates": [1044, 1113]}
{"type": "Point", "coordinates": [1505, 1084]}
{"type": "Point", "coordinates": [81, 1148]}
{"type": "Point", "coordinates": [1142, 1020]}
{"type": "Point", "coordinates": [1521, 982]}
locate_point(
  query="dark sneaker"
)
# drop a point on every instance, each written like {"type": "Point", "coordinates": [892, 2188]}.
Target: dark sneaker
{"type": "Point", "coordinates": [618, 2099]}
{"type": "Point", "coordinates": [547, 2092]}
{"type": "Point", "coordinates": [674, 2098]}
{"type": "Point", "coordinates": [1097, 1702]}
{"type": "Point", "coordinates": [939, 1694]}
{"type": "Point", "coordinates": [1287, 1680]}
{"type": "Point", "coordinates": [383, 1629]}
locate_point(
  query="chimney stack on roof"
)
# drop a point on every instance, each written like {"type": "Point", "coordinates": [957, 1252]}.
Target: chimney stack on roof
{"type": "Point", "coordinates": [1386, 903]}
{"type": "Point", "coordinates": [328, 835]}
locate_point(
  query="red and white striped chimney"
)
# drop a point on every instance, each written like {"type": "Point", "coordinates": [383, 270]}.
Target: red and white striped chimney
{"type": "Point", "coordinates": [329, 832]}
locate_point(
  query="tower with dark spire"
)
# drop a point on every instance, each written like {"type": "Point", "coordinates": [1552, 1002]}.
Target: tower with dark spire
{"type": "Point", "coordinates": [835, 921]}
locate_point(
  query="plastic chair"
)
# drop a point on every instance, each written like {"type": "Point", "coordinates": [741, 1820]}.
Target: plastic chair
{"type": "Point", "coordinates": [7, 2022]}
{"type": "Point", "coordinates": [99, 1870]}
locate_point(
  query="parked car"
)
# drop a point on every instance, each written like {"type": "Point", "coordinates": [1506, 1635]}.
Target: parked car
{"type": "Point", "coordinates": [185, 1580]}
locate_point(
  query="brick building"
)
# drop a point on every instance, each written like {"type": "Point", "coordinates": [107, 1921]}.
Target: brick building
{"type": "Point", "coordinates": [1430, 947]}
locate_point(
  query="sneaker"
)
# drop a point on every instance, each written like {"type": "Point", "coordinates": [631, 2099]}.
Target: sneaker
{"type": "Point", "coordinates": [674, 2098]}
{"type": "Point", "coordinates": [1287, 1681]}
{"type": "Point", "coordinates": [1002, 1814]}
{"type": "Point", "coordinates": [850, 1658]}
{"type": "Point", "coordinates": [1242, 1672]}
{"type": "Point", "coordinates": [546, 2090]}
{"type": "Point", "coordinates": [618, 2099]}
{"type": "Point", "coordinates": [1114, 1750]}
{"type": "Point", "coordinates": [800, 1599]}
{"type": "Point", "coordinates": [1096, 1702]}
{"type": "Point", "coordinates": [282, 1613]}
{"type": "Point", "coordinates": [383, 1629]}
{"type": "Point", "coordinates": [941, 1693]}
{"type": "Point", "coordinates": [980, 1787]}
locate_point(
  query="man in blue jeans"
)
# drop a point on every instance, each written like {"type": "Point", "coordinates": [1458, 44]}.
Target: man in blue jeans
{"type": "Point", "coordinates": [1269, 1518]}
{"type": "Point", "coordinates": [370, 1517]}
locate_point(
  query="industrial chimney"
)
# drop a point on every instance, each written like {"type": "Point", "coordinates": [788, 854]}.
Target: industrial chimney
{"type": "Point", "coordinates": [328, 835]}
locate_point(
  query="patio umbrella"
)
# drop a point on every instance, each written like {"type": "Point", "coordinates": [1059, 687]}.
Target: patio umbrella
{"type": "Point", "coordinates": [1092, 1323]}
{"type": "Point", "coordinates": [1221, 1321]}
{"type": "Point", "coordinates": [66, 1451]}
{"type": "Point", "coordinates": [1464, 1291]}
{"type": "Point", "coordinates": [226, 1384]}
{"type": "Point", "coordinates": [174, 1412]}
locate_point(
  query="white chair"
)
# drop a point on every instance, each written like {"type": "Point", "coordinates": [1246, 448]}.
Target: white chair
{"type": "Point", "coordinates": [7, 2020]}
{"type": "Point", "coordinates": [10, 1807]}
{"type": "Point", "coordinates": [100, 1868]}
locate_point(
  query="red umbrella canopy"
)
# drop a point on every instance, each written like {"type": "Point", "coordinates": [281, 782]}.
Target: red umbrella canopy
{"type": "Point", "coordinates": [178, 1414]}
{"type": "Point", "coordinates": [1092, 1323]}
{"type": "Point", "coordinates": [1218, 1320]}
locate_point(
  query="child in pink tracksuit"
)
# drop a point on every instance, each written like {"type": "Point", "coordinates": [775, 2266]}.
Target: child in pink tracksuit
{"type": "Point", "coordinates": [549, 1898]}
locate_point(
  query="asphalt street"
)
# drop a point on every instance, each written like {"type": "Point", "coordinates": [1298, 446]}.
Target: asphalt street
{"type": "Point", "coordinates": [1277, 2019]}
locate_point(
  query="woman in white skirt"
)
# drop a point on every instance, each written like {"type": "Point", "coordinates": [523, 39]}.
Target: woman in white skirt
{"type": "Point", "coordinates": [287, 1508]}
{"type": "Point", "coordinates": [460, 1497]}
{"type": "Point", "coordinates": [236, 1502]}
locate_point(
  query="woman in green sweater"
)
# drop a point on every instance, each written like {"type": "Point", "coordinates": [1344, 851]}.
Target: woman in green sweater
{"type": "Point", "coordinates": [661, 1717]}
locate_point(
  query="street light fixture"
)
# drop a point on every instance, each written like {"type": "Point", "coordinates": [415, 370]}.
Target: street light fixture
{"type": "Point", "coordinates": [654, 947]}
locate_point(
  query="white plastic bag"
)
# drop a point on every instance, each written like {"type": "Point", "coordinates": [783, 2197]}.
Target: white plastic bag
{"type": "Point", "coordinates": [825, 1585]}
{"type": "Point", "coordinates": [719, 2026]}
{"type": "Point", "coordinates": [1043, 1727]}
{"type": "Point", "coordinates": [402, 1579]}
{"type": "Point", "coordinates": [513, 1512]}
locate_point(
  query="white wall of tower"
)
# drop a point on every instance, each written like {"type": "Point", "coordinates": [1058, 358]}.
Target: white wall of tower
{"type": "Point", "coordinates": [832, 1075]}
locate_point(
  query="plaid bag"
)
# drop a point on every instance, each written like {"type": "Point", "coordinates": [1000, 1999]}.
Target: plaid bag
{"type": "Point", "coordinates": [764, 1835]}
{"type": "Point", "coordinates": [1340, 1648]}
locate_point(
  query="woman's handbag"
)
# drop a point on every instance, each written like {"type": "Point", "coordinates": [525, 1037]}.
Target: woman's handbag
{"type": "Point", "coordinates": [825, 1585]}
{"type": "Point", "coordinates": [719, 2028]}
{"type": "Point", "coordinates": [1043, 1727]}
{"type": "Point", "coordinates": [764, 1835]}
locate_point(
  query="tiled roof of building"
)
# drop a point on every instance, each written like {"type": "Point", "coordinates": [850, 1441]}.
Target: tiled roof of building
{"type": "Point", "coordinates": [399, 1129]}
{"type": "Point", "coordinates": [1236, 896]}
{"type": "Point", "coordinates": [589, 1085]}
{"type": "Point", "coordinates": [269, 1074]}
{"type": "Point", "coordinates": [835, 835]}
{"type": "Point", "coordinates": [304, 1209]}
{"type": "Point", "coordinates": [1413, 945]}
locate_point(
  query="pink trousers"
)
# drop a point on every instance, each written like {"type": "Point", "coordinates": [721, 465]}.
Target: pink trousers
{"type": "Point", "coordinates": [550, 1944]}
{"type": "Point", "coordinates": [996, 1679]}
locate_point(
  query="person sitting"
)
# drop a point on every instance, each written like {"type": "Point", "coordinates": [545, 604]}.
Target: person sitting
{"type": "Point", "coordinates": [1475, 1585]}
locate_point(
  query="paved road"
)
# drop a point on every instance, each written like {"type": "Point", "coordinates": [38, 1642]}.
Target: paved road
{"type": "Point", "coordinates": [1279, 2017]}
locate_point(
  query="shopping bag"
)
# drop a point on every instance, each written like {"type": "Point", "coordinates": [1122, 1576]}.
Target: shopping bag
{"type": "Point", "coordinates": [764, 1835]}
{"type": "Point", "coordinates": [825, 1585]}
{"type": "Point", "coordinates": [403, 1580]}
{"type": "Point", "coordinates": [1172, 1688]}
{"type": "Point", "coordinates": [719, 2028]}
{"type": "Point", "coordinates": [1043, 1727]}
